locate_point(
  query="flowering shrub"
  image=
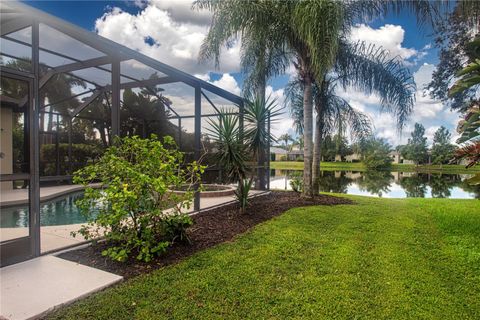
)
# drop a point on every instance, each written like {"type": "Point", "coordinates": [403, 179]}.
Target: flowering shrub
{"type": "Point", "coordinates": [134, 208]}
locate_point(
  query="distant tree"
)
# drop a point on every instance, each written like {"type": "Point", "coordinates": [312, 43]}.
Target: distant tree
{"type": "Point", "coordinates": [442, 149]}
{"type": "Point", "coordinates": [376, 153]}
{"type": "Point", "coordinates": [416, 148]}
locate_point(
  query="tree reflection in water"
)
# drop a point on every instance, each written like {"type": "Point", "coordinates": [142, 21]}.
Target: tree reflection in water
{"type": "Point", "coordinates": [381, 183]}
{"type": "Point", "coordinates": [375, 182]}
{"type": "Point", "coordinates": [334, 181]}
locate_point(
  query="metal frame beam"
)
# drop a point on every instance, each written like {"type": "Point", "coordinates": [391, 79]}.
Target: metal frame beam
{"type": "Point", "coordinates": [197, 141]}
{"type": "Point", "coordinates": [210, 101]}
{"type": "Point", "coordinates": [34, 145]}
{"type": "Point", "coordinates": [15, 25]}
{"type": "Point", "coordinates": [74, 67]}
{"type": "Point", "coordinates": [85, 104]}
{"type": "Point", "coordinates": [116, 50]}
{"type": "Point", "coordinates": [115, 88]}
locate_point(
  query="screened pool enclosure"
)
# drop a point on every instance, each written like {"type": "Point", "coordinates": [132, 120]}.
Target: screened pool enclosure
{"type": "Point", "coordinates": [65, 93]}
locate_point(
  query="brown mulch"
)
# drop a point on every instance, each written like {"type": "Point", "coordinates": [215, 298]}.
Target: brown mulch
{"type": "Point", "coordinates": [210, 228]}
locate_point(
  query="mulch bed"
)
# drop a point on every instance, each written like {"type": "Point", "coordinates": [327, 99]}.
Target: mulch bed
{"type": "Point", "coordinates": [210, 228]}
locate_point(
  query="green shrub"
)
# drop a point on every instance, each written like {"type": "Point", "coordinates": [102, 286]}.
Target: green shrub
{"type": "Point", "coordinates": [135, 208]}
{"type": "Point", "coordinates": [377, 160]}
{"type": "Point", "coordinates": [299, 159]}
{"type": "Point", "coordinates": [283, 158]}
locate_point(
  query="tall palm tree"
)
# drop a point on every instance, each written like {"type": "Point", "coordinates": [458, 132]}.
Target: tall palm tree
{"type": "Point", "coordinates": [363, 67]}
{"type": "Point", "coordinates": [305, 32]}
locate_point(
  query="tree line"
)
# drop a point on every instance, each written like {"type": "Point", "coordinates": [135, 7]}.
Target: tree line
{"type": "Point", "coordinates": [376, 152]}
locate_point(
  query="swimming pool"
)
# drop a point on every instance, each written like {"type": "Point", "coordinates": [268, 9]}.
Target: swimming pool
{"type": "Point", "coordinates": [58, 211]}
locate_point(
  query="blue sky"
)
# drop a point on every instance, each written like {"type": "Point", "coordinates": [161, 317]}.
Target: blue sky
{"type": "Point", "coordinates": [170, 32]}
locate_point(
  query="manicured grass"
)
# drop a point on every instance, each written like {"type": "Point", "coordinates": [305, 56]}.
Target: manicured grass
{"type": "Point", "coordinates": [358, 166]}
{"type": "Point", "coordinates": [379, 259]}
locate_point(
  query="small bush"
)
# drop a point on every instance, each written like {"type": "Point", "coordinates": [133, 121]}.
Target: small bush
{"type": "Point", "coordinates": [299, 159]}
{"type": "Point", "coordinates": [135, 208]}
{"type": "Point", "coordinates": [283, 158]}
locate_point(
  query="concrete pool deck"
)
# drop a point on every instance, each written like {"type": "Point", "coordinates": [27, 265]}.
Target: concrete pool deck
{"type": "Point", "coordinates": [30, 289]}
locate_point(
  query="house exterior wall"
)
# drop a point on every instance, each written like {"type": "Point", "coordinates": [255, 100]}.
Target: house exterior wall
{"type": "Point", "coordinates": [352, 157]}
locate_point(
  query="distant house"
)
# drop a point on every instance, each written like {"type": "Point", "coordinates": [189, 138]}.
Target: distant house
{"type": "Point", "coordinates": [397, 158]}
{"type": "Point", "coordinates": [280, 154]}
{"type": "Point", "coordinates": [294, 155]}
{"type": "Point", "coordinates": [277, 154]}
{"type": "Point", "coordinates": [354, 157]}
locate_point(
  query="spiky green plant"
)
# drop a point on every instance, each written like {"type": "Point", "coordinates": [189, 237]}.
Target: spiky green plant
{"type": "Point", "coordinates": [231, 151]}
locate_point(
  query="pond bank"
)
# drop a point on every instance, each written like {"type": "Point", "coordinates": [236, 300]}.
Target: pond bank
{"type": "Point", "coordinates": [358, 166]}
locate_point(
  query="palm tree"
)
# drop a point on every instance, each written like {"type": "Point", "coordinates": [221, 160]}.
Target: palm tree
{"type": "Point", "coordinates": [285, 138]}
{"type": "Point", "coordinates": [363, 67]}
{"type": "Point", "coordinates": [305, 32]}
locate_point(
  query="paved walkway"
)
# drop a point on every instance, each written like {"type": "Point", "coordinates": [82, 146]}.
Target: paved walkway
{"type": "Point", "coordinates": [31, 288]}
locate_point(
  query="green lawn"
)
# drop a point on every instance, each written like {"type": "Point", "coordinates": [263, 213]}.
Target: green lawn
{"type": "Point", "coordinates": [357, 166]}
{"type": "Point", "coordinates": [379, 259]}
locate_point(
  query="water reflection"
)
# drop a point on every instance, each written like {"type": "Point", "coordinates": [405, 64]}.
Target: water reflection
{"type": "Point", "coordinates": [388, 184]}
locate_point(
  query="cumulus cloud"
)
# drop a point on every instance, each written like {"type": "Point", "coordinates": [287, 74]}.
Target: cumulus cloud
{"type": "Point", "coordinates": [389, 37]}
{"type": "Point", "coordinates": [181, 11]}
{"type": "Point", "coordinates": [227, 82]}
{"type": "Point", "coordinates": [168, 31]}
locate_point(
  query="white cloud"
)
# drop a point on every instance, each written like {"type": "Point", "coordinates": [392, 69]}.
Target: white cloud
{"type": "Point", "coordinates": [167, 31]}
{"type": "Point", "coordinates": [181, 10]}
{"type": "Point", "coordinates": [389, 37]}
{"type": "Point", "coordinates": [429, 132]}
{"type": "Point", "coordinates": [228, 83]}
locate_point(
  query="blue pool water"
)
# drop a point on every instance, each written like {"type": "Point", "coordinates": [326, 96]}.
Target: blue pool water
{"type": "Point", "coordinates": [58, 211]}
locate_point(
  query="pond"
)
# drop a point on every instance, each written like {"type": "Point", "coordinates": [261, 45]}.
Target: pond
{"type": "Point", "coordinates": [388, 184]}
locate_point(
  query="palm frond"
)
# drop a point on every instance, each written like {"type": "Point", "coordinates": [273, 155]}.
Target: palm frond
{"type": "Point", "coordinates": [369, 69]}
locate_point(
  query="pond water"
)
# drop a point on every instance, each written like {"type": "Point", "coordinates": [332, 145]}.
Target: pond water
{"type": "Point", "coordinates": [387, 184]}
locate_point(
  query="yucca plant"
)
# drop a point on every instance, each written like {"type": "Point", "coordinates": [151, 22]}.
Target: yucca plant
{"type": "Point", "coordinates": [231, 151]}
{"type": "Point", "coordinates": [257, 135]}
{"type": "Point", "coordinates": [242, 191]}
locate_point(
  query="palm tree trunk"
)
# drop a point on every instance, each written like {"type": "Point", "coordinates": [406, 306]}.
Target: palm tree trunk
{"type": "Point", "coordinates": [261, 154]}
{"type": "Point", "coordinates": [317, 156]}
{"type": "Point", "coordinates": [307, 137]}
